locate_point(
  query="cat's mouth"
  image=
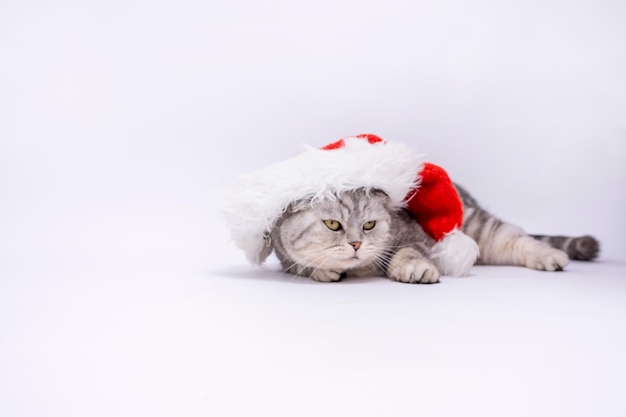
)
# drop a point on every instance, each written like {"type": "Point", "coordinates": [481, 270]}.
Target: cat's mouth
{"type": "Point", "coordinates": [352, 261]}
{"type": "Point", "coordinates": [349, 261]}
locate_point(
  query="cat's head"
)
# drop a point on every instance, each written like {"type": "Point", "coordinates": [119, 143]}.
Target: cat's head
{"type": "Point", "coordinates": [346, 232]}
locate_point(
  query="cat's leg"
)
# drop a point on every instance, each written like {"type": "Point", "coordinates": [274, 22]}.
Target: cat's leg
{"type": "Point", "coordinates": [582, 248]}
{"type": "Point", "coordinates": [408, 265]}
{"type": "Point", "coordinates": [321, 275]}
{"type": "Point", "coordinates": [502, 243]}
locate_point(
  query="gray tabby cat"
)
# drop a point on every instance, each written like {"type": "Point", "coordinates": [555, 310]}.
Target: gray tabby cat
{"type": "Point", "coordinates": [358, 234]}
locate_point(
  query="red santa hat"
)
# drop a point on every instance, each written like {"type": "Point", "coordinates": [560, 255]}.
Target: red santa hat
{"type": "Point", "coordinates": [364, 161]}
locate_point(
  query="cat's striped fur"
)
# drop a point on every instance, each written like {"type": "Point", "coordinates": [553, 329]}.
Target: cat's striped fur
{"type": "Point", "coordinates": [583, 248]}
{"type": "Point", "coordinates": [485, 228]}
{"type": "Point", "coordinates": [397, 247]}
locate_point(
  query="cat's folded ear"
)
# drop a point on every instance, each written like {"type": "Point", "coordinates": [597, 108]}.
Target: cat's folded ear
{"type": "Point", "coordinates": [375, 192]}
{"type": "Point", "coordinates": [299, 205]}
{"type": "Point", "coordinates": [383, 196]}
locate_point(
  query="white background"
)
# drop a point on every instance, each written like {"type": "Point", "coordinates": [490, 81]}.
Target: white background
{"type": "Point", "coordinates": [121, 295]}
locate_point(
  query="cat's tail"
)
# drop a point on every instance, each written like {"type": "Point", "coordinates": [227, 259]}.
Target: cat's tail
{"type": "Point", "coordinates": [582, 248]}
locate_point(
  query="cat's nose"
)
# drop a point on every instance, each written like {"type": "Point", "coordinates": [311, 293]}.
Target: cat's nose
{"type": "Point", "coordinates": [356, 245]}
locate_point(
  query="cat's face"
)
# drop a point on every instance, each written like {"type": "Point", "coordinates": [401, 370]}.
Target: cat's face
{"type": "Point", "coordinates": [349, 232]}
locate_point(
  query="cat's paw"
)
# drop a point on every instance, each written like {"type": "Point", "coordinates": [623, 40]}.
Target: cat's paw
{"type": "Point", "coordinates": [414, 271]}
{"type": "Point", "coordinates": [547, 259]}
{"type": "Point", "coordinates": [321, 275]}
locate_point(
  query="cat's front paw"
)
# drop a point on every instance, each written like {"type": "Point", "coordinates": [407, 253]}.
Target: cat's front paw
{"type": "Point", "coordinates": [414, 271]}
{"type": "Point", "coordinates": [419, 271]}
{"type": "Point", "coordinates": [547, 259]}
{"type": "Point", "coordinates": [321, 275]}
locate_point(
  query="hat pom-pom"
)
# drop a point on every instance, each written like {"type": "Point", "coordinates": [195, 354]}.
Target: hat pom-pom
{"type": "Point", "coordinates": [455, 254]}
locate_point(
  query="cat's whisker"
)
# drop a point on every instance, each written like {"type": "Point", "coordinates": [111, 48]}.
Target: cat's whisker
{"type": "Point", "coordinates": [381, 260]}
{"type": "Point", "coordinates": [309, 263]}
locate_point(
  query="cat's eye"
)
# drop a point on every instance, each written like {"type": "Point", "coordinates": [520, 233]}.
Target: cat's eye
{"type": "Point", "coordinates": [369, 225]}
{"type": "Point", "coordinates": [333, 225]}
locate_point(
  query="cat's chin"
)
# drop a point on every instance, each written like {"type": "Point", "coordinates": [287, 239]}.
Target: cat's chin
{"type": "Point", "coordinates": [351, 263]}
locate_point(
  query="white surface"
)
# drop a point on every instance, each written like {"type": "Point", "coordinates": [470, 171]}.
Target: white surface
{"type": "Point", "coordinates": [235, 341]}
{"type": "Point", "coordinates": [120, 295]}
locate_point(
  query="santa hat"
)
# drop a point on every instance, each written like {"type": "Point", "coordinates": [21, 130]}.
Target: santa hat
{"type": "Point", "coordinates": [258, 200]}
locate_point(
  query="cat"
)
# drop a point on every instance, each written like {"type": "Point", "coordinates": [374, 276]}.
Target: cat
{"type": "Point", "coordinates": [358, 233]}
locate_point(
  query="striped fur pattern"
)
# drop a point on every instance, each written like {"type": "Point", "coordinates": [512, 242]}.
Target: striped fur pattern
{"type": "Point", "coordinates": [502, 243]}
{"type": "Point", "coordinates": [330, 239]}
{"type": "Point", "coordinates": [583, 248]}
